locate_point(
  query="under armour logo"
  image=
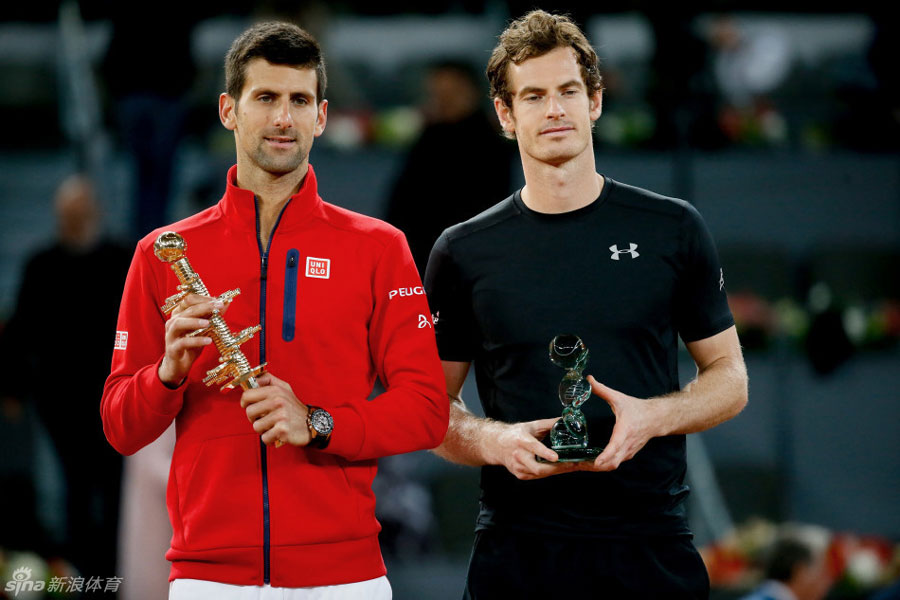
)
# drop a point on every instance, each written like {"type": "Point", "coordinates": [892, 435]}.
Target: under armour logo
{"type": "Point", "coordinates": [632, 251]}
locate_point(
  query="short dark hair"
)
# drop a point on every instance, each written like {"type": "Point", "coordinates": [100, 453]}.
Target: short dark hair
{"type": "Point", "coordinates": [783, 558]}
{"type": "Point", "coordinates": [462, 68]}
{"type": "Point", "coordinates": [276, 42]}
{"type": "Point", "coordinates": [536, 34]}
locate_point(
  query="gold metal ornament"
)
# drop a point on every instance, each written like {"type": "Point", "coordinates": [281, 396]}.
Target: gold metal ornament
{"type": "Point", "coordinates": [170, 247]}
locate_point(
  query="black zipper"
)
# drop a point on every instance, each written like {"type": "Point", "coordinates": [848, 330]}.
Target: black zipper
{"type": "Point", "coordinates": [263, 276]}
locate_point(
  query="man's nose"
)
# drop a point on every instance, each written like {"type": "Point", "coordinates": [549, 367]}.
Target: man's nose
{"type": "Point", "coordinates": [554, 107]}
{"type": "Point", "coordinates": [283, 118]}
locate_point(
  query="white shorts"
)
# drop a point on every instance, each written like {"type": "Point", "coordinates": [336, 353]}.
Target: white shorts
{"type": "Point", "coordinates": [197, 589]}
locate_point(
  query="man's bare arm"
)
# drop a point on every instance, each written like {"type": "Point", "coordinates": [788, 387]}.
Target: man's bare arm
{"type": "Point", "coordinates": [477, 441]}
{"type": "Point", "coordinates": [717, 394]}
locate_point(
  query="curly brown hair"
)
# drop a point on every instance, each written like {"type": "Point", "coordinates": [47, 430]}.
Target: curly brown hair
{"type": "Point", "coordinates": [536, 34]}
{"type": "Point", "coordinates": [279, 43]}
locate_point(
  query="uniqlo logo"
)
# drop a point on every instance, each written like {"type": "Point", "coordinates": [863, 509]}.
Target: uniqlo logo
{"type": "Point", "coordinates": [320, 268]}
{"type": "Point", "coordinates": [121, 340]}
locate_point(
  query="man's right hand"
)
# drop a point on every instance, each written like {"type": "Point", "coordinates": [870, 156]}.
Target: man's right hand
{"type": "Point", "coordinates": [516, 445]}
{"type": "Point", "coordinates": [191, 314]}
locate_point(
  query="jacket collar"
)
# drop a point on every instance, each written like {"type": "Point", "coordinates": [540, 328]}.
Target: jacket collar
{"type": "Point", "coordinates": [238, 205]}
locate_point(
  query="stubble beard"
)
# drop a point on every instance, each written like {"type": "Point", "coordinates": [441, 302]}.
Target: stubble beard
{"type": "Point", "coordinates": [556, 156]}
{"type": "Point", "coordinates": [547, 153]}
{"type": "Point", "coordinates": [279, 164]}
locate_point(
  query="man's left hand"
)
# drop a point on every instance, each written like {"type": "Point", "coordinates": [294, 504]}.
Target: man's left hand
{"type": "Point", "coordinates": [275, 412]}
{"type": "Point", "coordinates": [633, 428]}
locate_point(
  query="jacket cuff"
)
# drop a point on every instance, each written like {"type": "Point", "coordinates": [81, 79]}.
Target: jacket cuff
{"type": "Point", "coordinates": [160, 398]}
{"type": "Point", "coordinates": [349, 432]}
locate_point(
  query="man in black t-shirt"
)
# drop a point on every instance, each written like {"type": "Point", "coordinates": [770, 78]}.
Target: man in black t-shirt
{"type": "Point", "coordinates": [629, 272]}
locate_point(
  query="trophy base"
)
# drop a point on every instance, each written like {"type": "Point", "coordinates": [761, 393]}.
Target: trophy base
{"type": "Point", "coordinates": [573, 454]}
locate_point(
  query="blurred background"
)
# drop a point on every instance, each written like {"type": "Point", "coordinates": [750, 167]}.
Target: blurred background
{"type": "Point", "coordinates": [779, 121]}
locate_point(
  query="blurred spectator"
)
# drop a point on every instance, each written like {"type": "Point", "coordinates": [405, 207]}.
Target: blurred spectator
{"type": "Point", "coordinates": [58, 344]}
{"type": "Point", "coordinates": [795, 569]}
{"type": "Point", "coordinates": [458, 167]}
{"type": "Point", "coordinates": [684, 106]}
{"type": "Point", "coordinates": [749, 66]}
{"type": "Point", "coordinates": [404, 508]}
{"type": "Point", "coordinates": [148, 71]}
{"type": "Point", "coordinates": [871, 117]}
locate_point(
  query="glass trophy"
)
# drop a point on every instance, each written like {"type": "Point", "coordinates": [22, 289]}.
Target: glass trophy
{"type": "Point", "coordinates": [569, 435]}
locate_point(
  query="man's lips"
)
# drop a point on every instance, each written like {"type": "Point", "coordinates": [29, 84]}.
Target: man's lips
{"type": "Point", "coordinates": [280, 141]}
{"type": "Point", "coordinates": [557, 129]}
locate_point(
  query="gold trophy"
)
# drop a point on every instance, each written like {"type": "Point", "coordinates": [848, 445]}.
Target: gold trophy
{"type": "Point", "coordinates": [170, 247]}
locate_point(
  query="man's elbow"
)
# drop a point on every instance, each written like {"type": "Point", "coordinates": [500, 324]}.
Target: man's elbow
{"type": "Point", "coordinates": [120, 445]}
{"type": "Point", "coordinates": [442, 422]}
{"type": "Point", "coordinates": [433, 419]}
{"type": "Point", "coordinates": [446, 451]}
{"type": "Point", "coordinates": [741, 393]}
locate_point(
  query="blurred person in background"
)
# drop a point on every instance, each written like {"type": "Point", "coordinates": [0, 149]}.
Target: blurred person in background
{"type": "Point", "coordinates": [428, 196]}
{"type": "Point", "coordinates": [684, 107]}
{"type": "Point", "coordinates": [58, 344]}
{"type": "Point", "coordinates": [629, 272]}
{"type": "Point", "coordinates": [795, 568]}
{"type": "Point", "coordinates": [870, 119]}
{"type": "Point", "coordinates": [148, 98]}
{"type": "Point", "coordinates": [252, 519]}
{"type": "Point", "coordinates": [750, 64]}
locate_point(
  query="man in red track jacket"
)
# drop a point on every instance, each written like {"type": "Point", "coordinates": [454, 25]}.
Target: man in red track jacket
{"type": "Point", "coordinates": [259, 494]}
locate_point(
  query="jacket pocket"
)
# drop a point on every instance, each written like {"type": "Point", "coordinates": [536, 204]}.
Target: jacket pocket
{"type": "Point", "coordinates": [319, 498]}
{"type": "Point", "coordinates": [289, 320]}
{"type": "Point", "coordinates": [220, 493]}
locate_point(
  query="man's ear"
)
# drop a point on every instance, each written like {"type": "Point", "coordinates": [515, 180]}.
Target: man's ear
{"type": "Point", "coordinates": [505, 116]}
{"type": "Point", "coordinates": [321, 118]}
{"type": "Point", "coordinates": [596, 104]}
{"type": "Point", "coordinates": [227, 106]}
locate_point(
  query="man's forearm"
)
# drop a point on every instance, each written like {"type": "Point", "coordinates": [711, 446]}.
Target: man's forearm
{"type": "Point", "coordinates": [717, 394]}
{"type": "Point", "coordinates": [467, 437]}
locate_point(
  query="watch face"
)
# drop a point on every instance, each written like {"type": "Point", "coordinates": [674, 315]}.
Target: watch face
{"type": "Point", "coordinates": [321, 421]}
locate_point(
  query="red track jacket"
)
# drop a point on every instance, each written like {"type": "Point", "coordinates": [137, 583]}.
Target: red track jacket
{"type": "Point", "coordinates": [340, 303]}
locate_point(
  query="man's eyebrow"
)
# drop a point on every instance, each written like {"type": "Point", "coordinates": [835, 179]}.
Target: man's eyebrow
{"type": "Point", "coordinates": [531, 90]}
{"type": "Point", "coordinates": [573, 83]}
{"type": "Point", "coordinates": [539, 90]}
{"type": "Point", "coordinates": [270, 92]}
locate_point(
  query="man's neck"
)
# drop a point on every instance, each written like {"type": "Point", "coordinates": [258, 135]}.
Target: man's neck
{"type": "Point", "coordinates": [560, 188]}
{"type": "Point", "coordinates": [272, 193]}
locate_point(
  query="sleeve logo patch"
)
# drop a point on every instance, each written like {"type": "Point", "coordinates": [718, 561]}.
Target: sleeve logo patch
{"type": "Point", "coordinates": [406, 291]}
{"type": "Point", "coordinates": [424, 322]}
{"type": "Point", "coordinates": [121, 340]}
{"type": "Point", "coordinates": [318, 268]}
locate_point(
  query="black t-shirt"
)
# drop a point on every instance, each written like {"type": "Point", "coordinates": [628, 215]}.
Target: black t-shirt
{"type": "Point", "coordinates": [628, 274]}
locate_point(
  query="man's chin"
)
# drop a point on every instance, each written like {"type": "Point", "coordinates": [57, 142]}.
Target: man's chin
{"type": "Point", "coordinates": [558, 155]}
{"type": "Point", "coordinates": [556, 158]}
{"type": "Point", "coordinates": [279, 167]}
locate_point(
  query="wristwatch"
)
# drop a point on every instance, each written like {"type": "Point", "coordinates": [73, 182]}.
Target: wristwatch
{"type": "Point", "coordinates": [320, 424]}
